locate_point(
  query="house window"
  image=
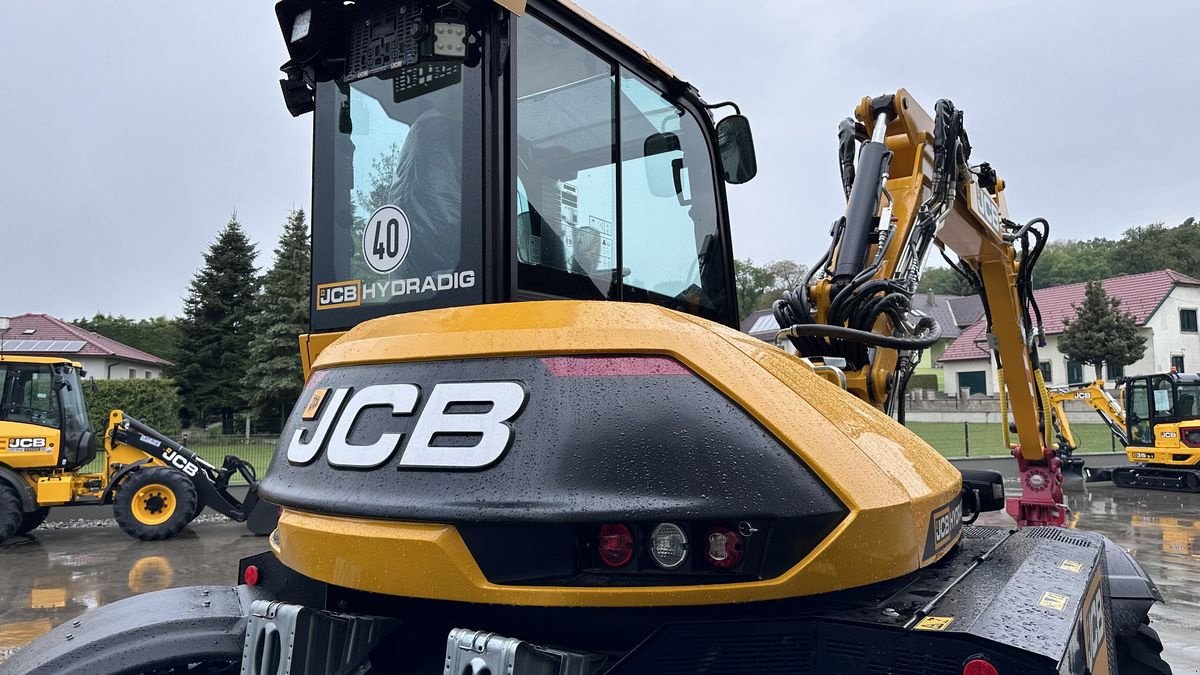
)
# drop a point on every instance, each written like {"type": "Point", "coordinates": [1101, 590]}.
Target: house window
{"type": "Point", "coordinates": [149, 375]}
{"type": "Point", "coordinates": [1187, 320]}
{"type": "Point", "coordinates": [1074, 372]}
{"type": "Point", "coordinates": [1177, 362]}
{"type": "Point", "coordinates": [1046, 371]}
{"type": "Point", "coordinates": [1115, 371]}
{"type": "Point", "coordinates": [133, 373]}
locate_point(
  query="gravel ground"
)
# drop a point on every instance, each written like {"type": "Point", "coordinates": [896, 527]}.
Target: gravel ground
{"type": "Point", "coordinates": [81, 523]}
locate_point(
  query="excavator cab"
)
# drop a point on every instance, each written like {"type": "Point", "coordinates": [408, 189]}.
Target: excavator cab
{"type": "Point", "coordinates": [1158, 405]}
{"type": "Point", "coordinates": [43, 415]}
{"type": "Point", "coordinates": [464, 154]}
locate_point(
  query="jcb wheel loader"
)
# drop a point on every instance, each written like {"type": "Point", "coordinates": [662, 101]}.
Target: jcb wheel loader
{"type": "Point", "coordinates": [155, 485]}
{"type": "Point", "coordinates": [531, 440]}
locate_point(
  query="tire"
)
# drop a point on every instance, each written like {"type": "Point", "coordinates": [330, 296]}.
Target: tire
{"type": "Point", "coordinates": [10, 511]}
{"type": "Point", "coordinates": [1141, 653]}
{"type": "Point", "coordinates": [30, 521]}
{"type": "Point", "coordinates": [154, 504]}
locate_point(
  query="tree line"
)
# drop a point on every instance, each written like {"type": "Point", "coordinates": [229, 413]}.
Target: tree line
{"type": "Point", "coordinates": [1145, 248]}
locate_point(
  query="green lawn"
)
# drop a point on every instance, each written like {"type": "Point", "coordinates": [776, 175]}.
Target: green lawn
{"type": "Point", "coordinates": [948, 438]}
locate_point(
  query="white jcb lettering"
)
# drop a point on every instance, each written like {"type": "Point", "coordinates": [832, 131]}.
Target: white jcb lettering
{"type": "Point", "coordinates": [480, 437]}
{"type": "Point", "coordinates": [401, 398]}
{"type": "Point", "coordinates": [180, 462]}
{"type": "Point", "coordinates": [491, 427]}
{"type": "Point", "coordinates": [302, 451]}
{"type": "Point", "coordinates": [26, 443]}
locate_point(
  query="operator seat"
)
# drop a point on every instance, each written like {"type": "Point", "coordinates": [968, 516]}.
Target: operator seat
{"type": "Point", "coordinates": [1186, 403]}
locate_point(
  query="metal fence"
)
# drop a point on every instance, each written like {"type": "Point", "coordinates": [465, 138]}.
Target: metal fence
{"type": "Point", "coordinates": [256, 449]}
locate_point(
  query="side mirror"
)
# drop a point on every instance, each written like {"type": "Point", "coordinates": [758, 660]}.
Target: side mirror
{"type": "Point", "coordinates": [664, 164]}
{"type": "Point", "coordinates": [738, 161]}
{"type": "Point", "coordinates": [985, 487]}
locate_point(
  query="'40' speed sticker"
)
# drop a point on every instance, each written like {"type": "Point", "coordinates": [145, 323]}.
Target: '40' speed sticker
{"type": "Point", "coordinates": [385, 239]}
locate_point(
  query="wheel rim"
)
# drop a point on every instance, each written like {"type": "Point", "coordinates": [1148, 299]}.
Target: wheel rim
{"type": "Point", "coordinates": [154, 504]}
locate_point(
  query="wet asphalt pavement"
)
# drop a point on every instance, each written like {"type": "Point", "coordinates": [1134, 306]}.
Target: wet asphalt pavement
{"type": "Point", "coordinates": [55, 575]}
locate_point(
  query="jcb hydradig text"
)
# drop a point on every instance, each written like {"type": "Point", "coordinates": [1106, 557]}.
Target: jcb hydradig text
{"type": "Point", "coordinates": [155, 485]}
{"type": "Point", "coordinates": [530, 440]}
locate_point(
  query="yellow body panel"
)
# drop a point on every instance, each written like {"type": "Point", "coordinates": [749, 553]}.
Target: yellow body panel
{"type": "Point", "coordinates": [53, 490]}
{"type": "Point", "coordinates": [28, 446]}
{"type": "Point", "coordinates": [890, 480]}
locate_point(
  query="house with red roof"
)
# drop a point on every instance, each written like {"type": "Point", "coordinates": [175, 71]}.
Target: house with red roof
{"type": "Point", "coordinates": [1164, 304]}
{"type": "Point", "coordinates": [101, 357]}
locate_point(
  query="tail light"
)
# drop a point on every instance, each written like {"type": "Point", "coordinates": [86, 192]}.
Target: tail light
{"type": "Point", "coordinates": [724, 548]}
{"type": "Point", "coordinates": [615, 545]}
{"type": "Point", "coordinates": [668, 545]}
{"type": "Point", "coordinates": [1190, 437]}
{"type": "Point", "coordinates": [250, 575]}
{"type": "Point", "coordinates": [978, 666]}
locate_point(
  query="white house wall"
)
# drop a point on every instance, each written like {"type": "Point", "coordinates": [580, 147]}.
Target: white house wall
{"type": "Point", "coordinates": [98, 367]}
{"type": "Point", "coordinates": [1163, 339]}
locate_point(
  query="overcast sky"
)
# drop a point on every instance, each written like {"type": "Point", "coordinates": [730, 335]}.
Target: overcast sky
{"type": "Point", "coordinates": [129, 132]}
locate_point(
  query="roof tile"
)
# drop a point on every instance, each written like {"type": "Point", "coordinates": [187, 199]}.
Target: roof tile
{"type": "Point", "coordinates": [46, 327]}
{"type": "Point", "coordinates": [1140, 295]}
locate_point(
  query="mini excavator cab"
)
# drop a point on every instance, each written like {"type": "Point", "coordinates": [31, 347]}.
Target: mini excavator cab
{"type": "Point", "coordinates": [464, 154]}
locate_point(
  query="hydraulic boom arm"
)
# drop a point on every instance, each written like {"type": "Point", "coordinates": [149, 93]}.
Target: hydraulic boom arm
{"type": "Point", "coordinates": [1094, 395]}
{"type": "Point", "coordinates": [913, 186]}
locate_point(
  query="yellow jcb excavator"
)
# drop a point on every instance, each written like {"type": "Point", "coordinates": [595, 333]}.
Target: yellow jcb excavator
{"type": "Point", "coordinates": [531, 439]}
{"type": "Point", "coordinates": [1159, 427]}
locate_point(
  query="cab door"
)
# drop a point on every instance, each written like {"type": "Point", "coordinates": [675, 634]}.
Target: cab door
{"type": "Point", "coordinates": [30, 416]}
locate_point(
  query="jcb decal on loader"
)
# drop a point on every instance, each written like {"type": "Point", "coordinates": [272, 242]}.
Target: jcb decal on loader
{"type": "Point", "coordinates": [476, 416]}
{"type": "Point", "coordinates": [26, 444]}
{"type": "Point", "coordinates": [179, 462]}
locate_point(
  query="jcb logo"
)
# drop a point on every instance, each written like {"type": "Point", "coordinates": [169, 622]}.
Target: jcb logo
{"type": "Point", "coordinates": [21, 444]}
{"type": "Point", "coordinates": [463, 425]}
{"type": "Point", "coordinates": [339, 294]}
{"type": "Point", "coordinates": [180, 462]}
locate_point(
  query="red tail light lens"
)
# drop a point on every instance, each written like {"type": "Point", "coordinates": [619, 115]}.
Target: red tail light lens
{"type": "Point", "coordinates": [615, 545]}
{"type": "Point", "coordinates": [979, 667]}
{"type": "Point", "coordinates": [1191, 437]}
{"type": "Point", "coordinates": [723, 548]}
{"type": "Point", "coordinates": [250, 575]}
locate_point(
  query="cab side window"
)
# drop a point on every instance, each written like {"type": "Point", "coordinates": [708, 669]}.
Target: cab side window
{"type": "Point", "coordinates": [566, 217]}
{"type": "Point", "coordinates": [28, 395]}
{"type": "Point", "coordinates": [1140, 432]}
{"type": "Point", "coordinates": [669, 236]}
{"type": "Point", "coordinates": [616, 196]}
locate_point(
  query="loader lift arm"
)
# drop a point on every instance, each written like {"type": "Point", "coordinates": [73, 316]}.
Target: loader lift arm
{"type": "Point", "coordinates": [211, 482]}
{"type": "Point", "coordinates": [913, 188]}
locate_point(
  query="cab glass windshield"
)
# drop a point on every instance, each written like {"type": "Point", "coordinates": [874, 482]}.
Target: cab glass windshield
{"type": "Point", "coordinates": [395, 197]}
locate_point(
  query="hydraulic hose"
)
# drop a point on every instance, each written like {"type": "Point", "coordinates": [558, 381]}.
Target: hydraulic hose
{"type": "Point", "coordinates": [932, 332]}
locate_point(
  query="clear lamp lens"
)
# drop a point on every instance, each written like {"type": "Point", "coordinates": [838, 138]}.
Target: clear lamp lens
{"type": "Point", "coordinates": [668, 545]}
{"type": "Point", "coordinates": [450, 39]}
{"type": "Point", "coordinates": [301, 25]}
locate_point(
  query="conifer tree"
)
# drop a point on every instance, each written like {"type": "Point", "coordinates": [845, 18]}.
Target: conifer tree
{"type": "Point", "coordinates": [1100, 332]}
{"type": "Point", "coordinates": [215, 330]}
{"type": "Point", "coordinates": [275, 377]}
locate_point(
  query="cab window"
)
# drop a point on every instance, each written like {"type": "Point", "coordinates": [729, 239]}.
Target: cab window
{"type": "Point", "coordinates": [28, 395]}
{"type": "Point", "coordinates": [616, 197]}
{"type": "Point", "coordinates": [1140, 432]}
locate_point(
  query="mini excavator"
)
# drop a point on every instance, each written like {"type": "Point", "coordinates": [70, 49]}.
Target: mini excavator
{"type": "Point", "coordinates": [531, 439]}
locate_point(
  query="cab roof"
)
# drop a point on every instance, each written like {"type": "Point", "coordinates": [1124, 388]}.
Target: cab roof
{"type": "Point", "coordinates": [518, 7]}
{"type": "Point", "coordinates": [18, 358]}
